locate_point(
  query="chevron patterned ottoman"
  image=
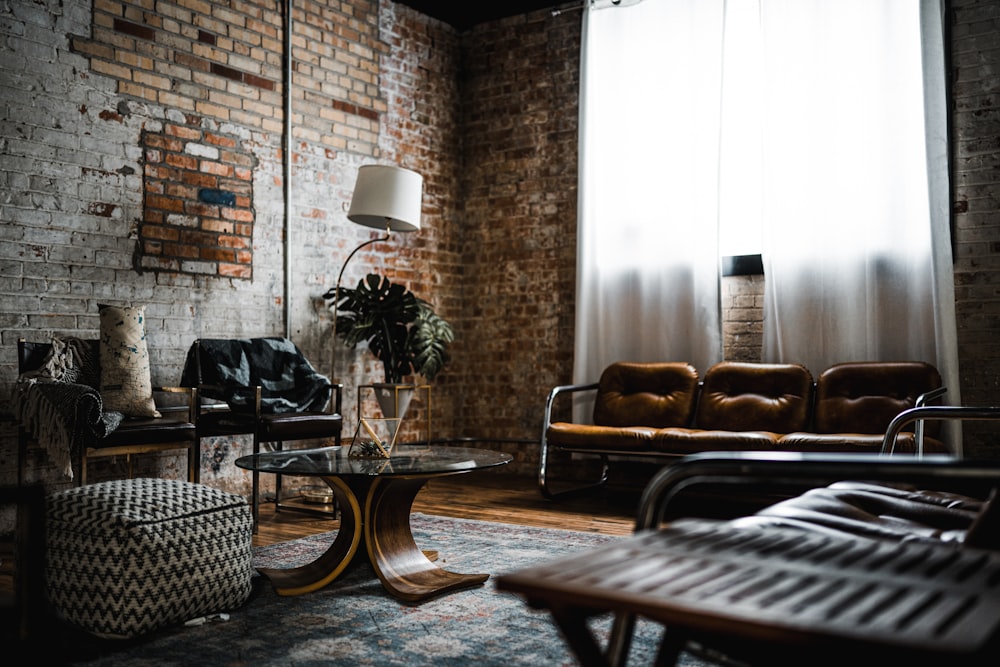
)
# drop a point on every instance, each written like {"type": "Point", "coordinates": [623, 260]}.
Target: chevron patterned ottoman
{"type": "Point", "coordinates": [129, 556]}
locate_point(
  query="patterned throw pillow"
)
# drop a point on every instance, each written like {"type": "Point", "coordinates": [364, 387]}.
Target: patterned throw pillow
{"type": "Point", "coordinates": [126, 386]}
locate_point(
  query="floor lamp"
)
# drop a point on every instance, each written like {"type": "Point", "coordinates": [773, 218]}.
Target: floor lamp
{"type": "Point", "coordinates": [386, 198]}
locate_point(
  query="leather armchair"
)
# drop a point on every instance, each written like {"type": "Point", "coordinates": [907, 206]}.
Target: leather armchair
{"type": "Point", "coordinates": [264, 387]}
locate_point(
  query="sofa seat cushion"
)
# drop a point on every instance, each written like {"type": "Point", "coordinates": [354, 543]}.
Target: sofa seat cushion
{"type": "Point", "coordinates": [906, 443]}
{"type": "Point", "coordinates": [856, 443]}
{"type": "Point", "coordinates": [684, 441]}
{"type": "Point", "coordinates": [896, 512]}
{"type": "Point", "coordinates": [171, 427]}
{"type": "Point", "coordinates": [226, 422]}
{"type": "Point", "coordinates": [129, 556]}
{"type": "Point", "coordinates": [587, 437]}
{"type": "Point", "coordinates": [298, 425]}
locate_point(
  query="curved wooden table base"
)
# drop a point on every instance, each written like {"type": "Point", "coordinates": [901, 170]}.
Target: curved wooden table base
{"type": "Point", "coordinates": [384, 521]}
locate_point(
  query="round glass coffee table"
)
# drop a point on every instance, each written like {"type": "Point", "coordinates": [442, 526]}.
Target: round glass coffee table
{"type": "Point", "coordinates": [375, 496]}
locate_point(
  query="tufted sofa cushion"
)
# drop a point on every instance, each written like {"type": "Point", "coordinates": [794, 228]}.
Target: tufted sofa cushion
{"type": "Point", "coordinates": [683, 441]}
{"type": "Point", "coordinates": [654, 394]}
{"type": "Point", "coordinates": [743, 406]}
{"type": "Point", "coordinates": [739, 396]}
{"type": "Point", "coordinates": [863, 397]}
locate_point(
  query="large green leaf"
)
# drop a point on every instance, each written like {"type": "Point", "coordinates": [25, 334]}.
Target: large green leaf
{"type": "Point", "coordinates": [428, 342]}
{"type": "Point", "coordinates": [402, 331]}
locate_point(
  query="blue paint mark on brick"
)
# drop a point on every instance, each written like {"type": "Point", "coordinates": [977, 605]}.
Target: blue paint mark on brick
{"type": "Point", "coordinates": [220, 197]}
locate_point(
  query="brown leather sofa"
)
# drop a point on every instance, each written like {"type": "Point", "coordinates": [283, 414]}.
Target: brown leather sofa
{"type": "Point", "coordinates": [661, 411]}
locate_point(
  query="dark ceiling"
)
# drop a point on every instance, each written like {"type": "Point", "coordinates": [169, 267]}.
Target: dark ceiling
{"type": "Point", "coordinates": [463, 14]}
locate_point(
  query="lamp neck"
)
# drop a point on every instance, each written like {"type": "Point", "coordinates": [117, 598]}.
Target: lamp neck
{"type": "Point", "coordinates": [336, 297]}
{"type": "Point", "coordinates": [340, 275]}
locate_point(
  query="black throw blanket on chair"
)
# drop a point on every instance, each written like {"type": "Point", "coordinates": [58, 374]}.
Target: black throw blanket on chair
{"type": "Point", "coordinates": [229, 369]}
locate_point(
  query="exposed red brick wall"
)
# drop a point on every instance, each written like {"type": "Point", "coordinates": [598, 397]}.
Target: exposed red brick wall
{"type": "Point", "coordinates": [219, 59]}
{"type": "Point", "coordinates": [198, 210]}
{"type": "Point", "coordinates": [975, 109]}
{"type": "Point", "coordinates": [519, 83]}
{"type": "Point", "coordinates": [742, 318]}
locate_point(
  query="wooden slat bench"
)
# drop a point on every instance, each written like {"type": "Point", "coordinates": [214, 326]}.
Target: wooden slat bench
{"type": "Point", "coordinates": [776, 596]}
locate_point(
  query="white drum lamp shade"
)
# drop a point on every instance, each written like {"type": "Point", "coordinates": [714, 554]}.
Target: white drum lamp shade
{"type": "Point", "coordinates": [387, 197]}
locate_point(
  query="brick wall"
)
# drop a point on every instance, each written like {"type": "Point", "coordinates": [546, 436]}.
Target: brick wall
{"type": "Point", "coordinates": [99, 206]}
{"type": "Point", "coordinates": [487, 116]}
{"type": "Point", "coordinates": [198, 210]}
{"type": "Point", "coordinates": [519, 193]}
{"type": "Point", "coordinates": [742, 325]}
{"type": "Point", "coordinates": [975, 61]}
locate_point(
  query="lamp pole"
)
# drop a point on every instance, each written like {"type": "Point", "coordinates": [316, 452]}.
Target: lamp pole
{"type": "Point", "coordinates": [336, 299]}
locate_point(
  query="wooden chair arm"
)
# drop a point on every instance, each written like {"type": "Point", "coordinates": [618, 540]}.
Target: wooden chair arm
{"type": "Point", "coordinates": [192, 398]}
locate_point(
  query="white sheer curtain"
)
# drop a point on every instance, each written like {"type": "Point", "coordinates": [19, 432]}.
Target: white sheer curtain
{"type": "Point", "coordinates": [648, 265]}
{"type": "Point", "coordinates": [857, 254]}
{"type": "Point", "coordinates": [820, 122]}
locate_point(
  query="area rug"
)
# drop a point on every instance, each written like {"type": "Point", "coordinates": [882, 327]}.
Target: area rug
{"type": "Point", "coordinates": [353, 621]}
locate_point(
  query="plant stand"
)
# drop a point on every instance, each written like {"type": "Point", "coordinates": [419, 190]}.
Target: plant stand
{"type": "Point", "coordinates": [375, 435]}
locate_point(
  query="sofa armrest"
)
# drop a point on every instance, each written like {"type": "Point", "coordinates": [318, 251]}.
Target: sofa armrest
{"type": "Point", "coordinates": [927, 397]}
{"type": "Point", "coordinates": [792, 473]}
{"type": "Point", "coordinates": [918, 428]}
{"type": "Point", "coordinates": [566, 389]}
{"type": "Point", "coordinates": [933, 412]}
{"type": "Point", "coordinates": [543, 453]}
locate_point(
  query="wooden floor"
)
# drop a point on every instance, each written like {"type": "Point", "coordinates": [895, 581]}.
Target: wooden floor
{"type": "Point", "coordinates": [485, 497]}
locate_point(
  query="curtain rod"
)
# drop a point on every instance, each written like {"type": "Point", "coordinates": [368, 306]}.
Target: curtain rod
{"type": "Point", "coordinates": [605, 4]}
{"type": "Point", "coordinates": [556, 11]}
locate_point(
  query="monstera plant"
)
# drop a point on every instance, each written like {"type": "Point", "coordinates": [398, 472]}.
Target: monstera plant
{"type": "Point", "coordinates": [402, 331]}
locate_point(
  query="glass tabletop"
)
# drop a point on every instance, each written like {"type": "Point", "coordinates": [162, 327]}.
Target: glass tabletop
{"type": "Point", "coordinates": [334, 461]}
